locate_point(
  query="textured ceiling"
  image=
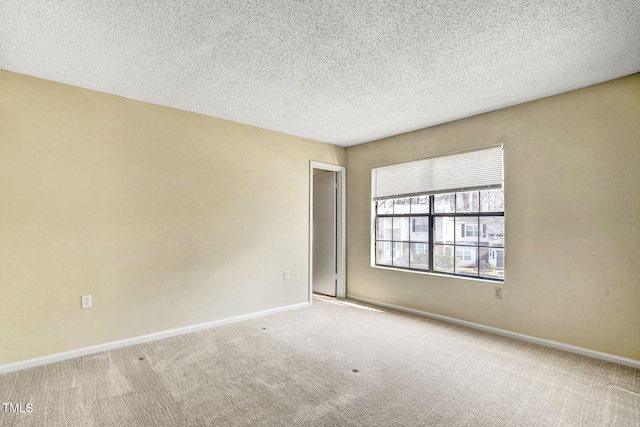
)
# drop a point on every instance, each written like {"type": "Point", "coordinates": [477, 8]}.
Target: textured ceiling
{"type": "Point", "coordinates": [337, 71]}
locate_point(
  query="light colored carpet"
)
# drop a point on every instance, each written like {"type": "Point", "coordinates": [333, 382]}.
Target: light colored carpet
{"type": "Point", "coordinates": [337, 363]}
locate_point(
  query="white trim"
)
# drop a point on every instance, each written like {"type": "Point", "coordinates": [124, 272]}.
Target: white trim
{"type": "Point", "coordinates": [522, 337]}
{"type": "Point", "coordinates": [72, 354]}
{"type": "Point", "coordinates": [341, 173]}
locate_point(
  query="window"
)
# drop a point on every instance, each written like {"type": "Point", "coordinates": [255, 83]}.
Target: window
{"type": "Point", "coordinates": [448, 232]}
{"type": "Point", "coordinates": [470, 230]}
{"type": "Point", "coordinates": [464, 255]}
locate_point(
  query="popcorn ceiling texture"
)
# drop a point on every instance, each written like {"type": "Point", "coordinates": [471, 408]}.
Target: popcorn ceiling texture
{"type": "Point", "coordinates": [338, 71]}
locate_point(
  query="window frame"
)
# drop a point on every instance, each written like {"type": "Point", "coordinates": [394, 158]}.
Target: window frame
{"type": "Point", "coordinates": [479, 232]}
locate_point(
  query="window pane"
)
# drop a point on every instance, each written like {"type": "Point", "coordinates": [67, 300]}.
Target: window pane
{"type": "Point", "coordinates": [383, 254]}
{"type": "Point", "coordinates": [444, 258]}
{"type": "Point", "coordinates": [419, 256]}
{"type": "Point", "coordinates": [444, 230]}
{"type": "Point", "coordinates": [402, 206]}
{"type": "Point", "coordinates": [419, 229]}
{"type": "Point", "coordinates": [492, 228]}
{"type": "Point", "coordinates": [420, 204]}
{"type": "Point", "coordinates": [385, 228]}
{"type": "Point", "coordinates": [468, 201]}
{"type": "Point", "coordinates": [444, 203]}
{"type": "Point", "coordinates": [401, 229]}
{"type": "Point", "coordinates": [466, 260]}
{"type": "Point", "coordinates": [400, 254]}
{"type": "Point", "coordinates": [467, 230]}
{"type": "Point", "coordinates": [492, 200]}
{"type": "Point", "coordinates": [491, 263]}
{"type": "Point", "coordinates": [385, 207]}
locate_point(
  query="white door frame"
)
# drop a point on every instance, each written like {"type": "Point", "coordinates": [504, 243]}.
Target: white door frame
{"type": "Point", "coordinates": [341, 249]}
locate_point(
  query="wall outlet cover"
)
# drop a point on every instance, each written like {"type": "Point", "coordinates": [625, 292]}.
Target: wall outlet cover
{"type": "Point", "coordinates": [86, 301]}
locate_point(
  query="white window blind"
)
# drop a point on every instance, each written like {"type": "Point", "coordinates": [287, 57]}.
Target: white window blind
{"type": "Point", "coordinates": [471, 170]}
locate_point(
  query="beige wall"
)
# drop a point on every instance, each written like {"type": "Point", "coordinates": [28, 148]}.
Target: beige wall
{"type": "Point", "coordinates": [167, 218]}
{"type": "Point", "coordinates": [572, 181]}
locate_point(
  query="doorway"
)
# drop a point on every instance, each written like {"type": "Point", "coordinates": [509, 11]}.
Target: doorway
{"type": "Point", "coordinates": [327, 230]}
{"type": "Point", "coordinates": [325, 237]}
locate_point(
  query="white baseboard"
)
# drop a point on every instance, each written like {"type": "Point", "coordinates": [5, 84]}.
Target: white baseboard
{"type": "Point", "coordinates": [522, 337]}
{"type": "Point", "coordinates": [72, 354]}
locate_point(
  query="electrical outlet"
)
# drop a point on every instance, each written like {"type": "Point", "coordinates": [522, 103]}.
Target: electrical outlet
{"type": "Point", "coordinates": [498, 293]}
{"type": "Point", "coordinates": [86, 301]}
{"type": "Point", "coordinates": [286, 275]}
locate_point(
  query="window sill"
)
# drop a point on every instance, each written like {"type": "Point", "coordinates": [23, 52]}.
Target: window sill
{"type": "Point", "coordinates": [448, 276]}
